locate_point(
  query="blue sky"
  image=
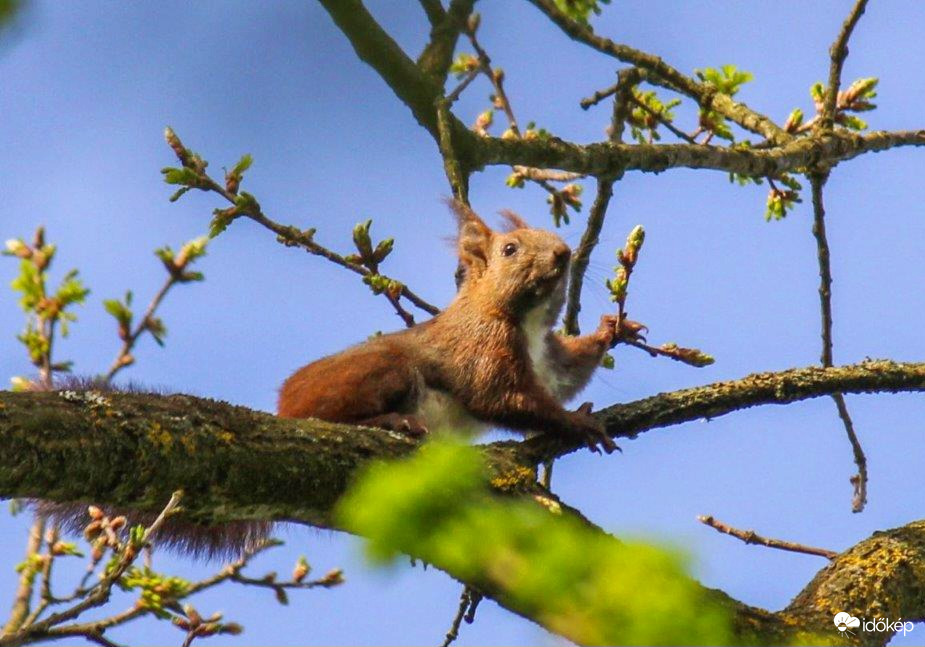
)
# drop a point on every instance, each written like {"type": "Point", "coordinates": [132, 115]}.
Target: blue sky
{"type": "Point", "coordinates": [88, 88]}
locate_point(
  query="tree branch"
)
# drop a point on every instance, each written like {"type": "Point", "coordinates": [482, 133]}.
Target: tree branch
{"type": "Point", "coordinates": [603, 159]}
{"type": "Point", "coordinates": [437, 56]}
{"type": "Point", "coordinates": [705, 95]}
{"type": "Point", "coordinates": [838, 53]}
{"type": "Point", "coordinates": [374, 46]}
{"type": "Point", "coordinates": [294, 470]}
{"type": "Point", "coordinates": [714, 400]}
{"type": "Point", "coordinates": [751, 537]}
{"type": "Point", "coordinates": [582, 256]}
{"type": "Point", "coordinates": [132, 450]}
{"type": "Point", "coordinates": [859, 480]}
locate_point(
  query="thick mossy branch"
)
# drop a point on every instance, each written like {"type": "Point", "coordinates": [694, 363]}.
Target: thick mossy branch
{"type": "Point", "coordinates": [881, 577]}
{"type": "Point", "coordinates": [234, 463]}
{"type": "Point", "coordinates": [134, 450]}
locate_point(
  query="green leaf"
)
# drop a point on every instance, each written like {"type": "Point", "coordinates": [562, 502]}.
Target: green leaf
{"type": "Point", "coordinates": [71, 290]}
{"type": "Point", "coordinates": [362, 240]}
{"type": "Point", "coordinates": [243, 164]}
{"type": "Point", "coordinates": [728, 79]}
{"type": "Point", "coordinates": [185, 176]}
{"type": "Point", "coordinates": [851, 122]}
{"type": "Point", "coordinates": [119, 310]}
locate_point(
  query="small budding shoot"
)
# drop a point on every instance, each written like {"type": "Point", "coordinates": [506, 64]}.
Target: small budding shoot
{"type": "Point", "coordinates": [301, 570]}
{"type": "Point", "coordinates": [44, 311]}
{"type": "Point", "coordinates": [463, 65]}
{"type": "Point", "coordinates": [560, 200]}
{"type": "Point", "coordinates": [483, 122]}
{"type": "Point", "coordinates": [629, 331]}
{"type": "Point", "coordinates": [647, 114]}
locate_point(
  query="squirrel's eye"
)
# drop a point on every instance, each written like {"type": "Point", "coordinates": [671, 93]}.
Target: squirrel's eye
{"type": "Point", "coordinates": [508, 249]}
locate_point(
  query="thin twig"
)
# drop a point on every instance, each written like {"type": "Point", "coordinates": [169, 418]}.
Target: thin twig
{"type": "Point", "coordinates": [667, 124]}
{"type": "Point", "coordinates": [45, 595]}
{"type": "Point", "coordinates": [598, 96]}
{"type": "Point", "coordinates": [582, 256]}
{"type": "Point", "coordinates": [626, 81]}
{"type": "Point", "coordinates": [23, 599]}
{"type": "Point", "coordinates": [497, 81]}
{"type": "Point", "coordinates": [546, 174]}
{"type": "Point", "coordinates": [751, 537]}
{"type": "Point", "coordinates": [859, 480]}
{"type": "Point", "coordinates": [123, 358]}
{"type": "Point", "coordinates": [100, 593]}
{"type": "Point", "coordinates": [661, 73]}
{"type": "Point", "coordinates": [475, 597]}
{"type": "Point", "coordinates": [838, 53]}
{"type": "Point", "coordinates": [294, 237]}
{"type": "Point", "coordinates": [455, 174]}
{"type": "Point", "coordinates": [98, 627]}
{"type": "Point", "coordinates": [468, 601]}
{"type": "Point", "coordinates": [471, 76]}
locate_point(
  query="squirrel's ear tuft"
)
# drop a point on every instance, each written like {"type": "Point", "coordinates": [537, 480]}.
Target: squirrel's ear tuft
{"type": "Point", "coordinates": [473, 240]}
{"type": "Point", "coordinates": [513, 221]}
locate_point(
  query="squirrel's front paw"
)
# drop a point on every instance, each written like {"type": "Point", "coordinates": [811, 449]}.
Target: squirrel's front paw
{"type": "Point", "coordinates": [612, 330]}
{"type": "Point", "coordinates": [591, 430]}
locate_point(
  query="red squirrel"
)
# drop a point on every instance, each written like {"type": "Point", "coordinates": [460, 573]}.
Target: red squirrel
{"type": "Point", "coordinates": [490, 358]}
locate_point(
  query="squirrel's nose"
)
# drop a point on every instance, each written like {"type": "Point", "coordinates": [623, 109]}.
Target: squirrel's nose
{"type": "Point", "coordinates": [561, 256]}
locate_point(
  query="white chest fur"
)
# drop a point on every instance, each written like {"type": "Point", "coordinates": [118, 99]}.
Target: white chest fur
{"type": "Point", "coordinates": [536, 328]}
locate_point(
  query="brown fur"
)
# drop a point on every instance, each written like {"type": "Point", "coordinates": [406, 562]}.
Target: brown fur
{"type": "Point", "coordinates": [477, 352]}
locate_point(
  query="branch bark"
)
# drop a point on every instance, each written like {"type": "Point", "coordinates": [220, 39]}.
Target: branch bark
{"type": "Point", "coordinates": [603, 159]}
{"type": "Point", "coordinates": [706, 95]}
{"type": "Point", "coordinates": [714, 400]}
{"type": "Point", "coordinates": [416, 88]}
{"type": "Point", "coordinates": [133, 450]}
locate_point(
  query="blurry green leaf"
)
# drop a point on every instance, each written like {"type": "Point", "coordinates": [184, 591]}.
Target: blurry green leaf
{"type": "Point", "coordinates": [463, 64]}
{"type": "Point", "coordinates": [515, 180]}
{"type": "Point", "coordinates": [221, 218]}
{"type": "Point", "coordinates": [158, 330]}
{"type": "Point", "coordinates": [436, 506]}
{"type": "Point", "coordinates": [71, 290]}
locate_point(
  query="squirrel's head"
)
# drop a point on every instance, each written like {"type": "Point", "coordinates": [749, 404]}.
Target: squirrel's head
{"type": "Point", "coordinates": [519, 267]}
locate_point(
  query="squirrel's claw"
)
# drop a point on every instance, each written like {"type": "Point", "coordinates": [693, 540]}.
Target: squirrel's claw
{"type": "Point", "coordinates": [616, 331]}
{"type": "Point", "coordinates": [595, 436]}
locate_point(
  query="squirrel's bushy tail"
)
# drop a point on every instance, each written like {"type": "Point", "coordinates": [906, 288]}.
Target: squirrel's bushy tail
{"type": "Point", "coordinates": [226, 540]}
